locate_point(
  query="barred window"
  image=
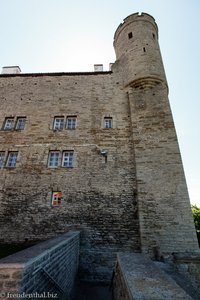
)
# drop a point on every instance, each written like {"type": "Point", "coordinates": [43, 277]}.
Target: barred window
{"type": "Point", "coordinates": [108, 122]}
{"type": "Point", "coordinates": [9, 124]}
{"type": "Point", "coordinates": [68, 159]}
{"type": "Point", "coordinates": [53, 159]}
{"type": "Point", "coordinates": [20, 125]}
{"type": "Point", "coordinates": [11, 160]}
{"type": "Point", "coordinates": [58, 123]}
{"type": "Point", "coordinates": [71, 122]}
{"type": "Point", "coordinates": [2, 158]}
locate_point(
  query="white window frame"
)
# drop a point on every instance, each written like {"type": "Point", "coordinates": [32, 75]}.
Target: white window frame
{"type": "Point", "coordinates": [18, 124]}
{"type": "Point", "coordinates": [57, 123]}
{"type": "Point", "coordinates": [56, 198]}
{"type": "Point", "coordinates": [11, 159]}
{"type": "Point", "coordinates": [68, 159]}
{"type": "Point", "coordinates": [9, 124]}
{"type": "Point", "coordinates": [55, 161]}
{"type": "Point", "coordinates": [2, 158]}
{"type": "Point", "coordinates": [108, 122]}
{"type": "Point", "coordinates": [71, 122]}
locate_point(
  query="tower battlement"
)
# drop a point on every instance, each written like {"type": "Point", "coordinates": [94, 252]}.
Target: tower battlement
{"type": "Point", "coordinates": [133, 18]}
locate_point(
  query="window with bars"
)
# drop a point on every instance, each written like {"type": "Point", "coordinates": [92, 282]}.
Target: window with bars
{"type": "Point", "coordinates": [53, 160]}
{"type": "Point", "coordinates": [56, 198]}
{"type": "Point", "coordinates": [68, 159]}
{"type": "Point", "coordinates": [2, 159]}
{"type": "Point", "coordinates": [108, 122]}
{"type": "Point", "coordinates": [58, 123]}
{"type": "Point", "coordinates": [11, 159]}
{"type": "Point", "coordinates": [71, 122]}
{"type": "Point", "coordinates": [9, 123]}
{"type": "Point", "coordinates": [20, 124]}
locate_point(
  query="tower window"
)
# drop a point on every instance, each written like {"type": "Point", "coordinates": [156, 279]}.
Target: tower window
{"type": "Point", "coordinates": [20, 125]}
{"type": "Point", "coordinates": [12, 159]}
{"type": "Point", "coordinates": [68, 159]}
{"type": "Point", "coordinates": [154, 35]}
{"type": "Point", "coordinates": [9, 124]}
{"type": "Point", "coordinates": [2, 158]}
{"type": "Point", "coordinates": [144, 49]}
{"type": "Point", "coordinates": [56, 198]}
{"type": "Point", "coordinates": [71, 122]}
{"type": "Point", "coordinates": [108, 122]}
{"type": "Point", "coordinates": [53, 159]}
{"type": "Point", "coordinates": [130, 35]}
{"type": "Point", "coordinates": [58, 123]}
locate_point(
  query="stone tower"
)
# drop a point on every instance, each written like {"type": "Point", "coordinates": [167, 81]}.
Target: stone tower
{"type": "Point", "coordinates": [165, 219]}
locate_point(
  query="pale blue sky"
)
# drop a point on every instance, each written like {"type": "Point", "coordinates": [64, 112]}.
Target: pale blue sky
{"type": "Point", "coordinates": [66, 35]}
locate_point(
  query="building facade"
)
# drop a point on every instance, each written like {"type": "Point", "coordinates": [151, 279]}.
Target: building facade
{"type": "Point", "coordinates": [97, 152]}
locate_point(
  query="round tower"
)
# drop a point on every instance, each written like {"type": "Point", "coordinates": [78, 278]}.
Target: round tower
{"type": "Point", "coordinates": [138, 53]}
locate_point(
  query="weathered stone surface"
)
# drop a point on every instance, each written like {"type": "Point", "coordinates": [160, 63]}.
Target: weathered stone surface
{"type": "Point", "coordinates": [138, 278]}
{"type": "Point", "coordinates": [49, 267]}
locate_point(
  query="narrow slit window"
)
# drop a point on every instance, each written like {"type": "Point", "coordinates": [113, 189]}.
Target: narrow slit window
{"type": "Point", "coordinates": [144, 49]}
{"type": "Point", "coordinates": [20, 125]}
{"type": "Point", "coordinates": [68, 159]}
{"type": "Point", "coordinates": [53, 159]}
{"type": "Point", "coordinates": [56, 198]}
{"type": "Point", "coordinates": [71, 122]}
{"type": "Point", "coordinates": [108, 123]}
{"type": "Point", "coordinates": [130, 35]}
{"type": "Point", "coordinates": [2, 159]}
{"type": "Point", "coordinates": [12, 159]}
{"type": "Point", "coordinates": [58, 123]}
{"type": "Point", "coordinates": [9, 124]}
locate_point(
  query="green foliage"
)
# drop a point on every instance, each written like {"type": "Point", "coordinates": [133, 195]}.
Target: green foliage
{"type": "Point", "coordinates": [196, 215]}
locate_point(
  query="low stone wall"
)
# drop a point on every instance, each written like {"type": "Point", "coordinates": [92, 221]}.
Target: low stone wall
{"type": "Point", "coordinates": [46, 270]}
{"type": "Point", "coordinates": [189, 265]}
{"type": "Point", "coordinates": [137, 277]}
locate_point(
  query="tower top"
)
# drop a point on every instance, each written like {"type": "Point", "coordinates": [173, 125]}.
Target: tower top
{"type": "Point", "coordinates": [133, 18]}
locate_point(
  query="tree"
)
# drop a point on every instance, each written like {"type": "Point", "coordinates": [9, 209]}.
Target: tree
{"type": "Point", "coordinates": [196, 215]}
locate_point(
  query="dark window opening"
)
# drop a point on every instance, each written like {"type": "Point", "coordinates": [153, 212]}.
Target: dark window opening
{"type": "Point", "coordinates": [154, 36]}
{"type": "Point", "coordinates": [130, 35]}
{"type": "Point", "coordinates": [144, 49]}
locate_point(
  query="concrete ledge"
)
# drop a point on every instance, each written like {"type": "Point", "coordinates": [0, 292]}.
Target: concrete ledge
{"type": "Point", "coordinates": [138, 278]}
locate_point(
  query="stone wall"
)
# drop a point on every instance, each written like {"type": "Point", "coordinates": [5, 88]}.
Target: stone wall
{"type": "Point", "coordinates": [137, 277]}
{"type": "Point", "coordinates": [98, 196]}
{"type": "Point", "coordinates": [48, 268]}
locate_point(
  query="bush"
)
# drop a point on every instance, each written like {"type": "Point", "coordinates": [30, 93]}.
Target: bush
{"type": "Point", "coordinates": [196, 215]}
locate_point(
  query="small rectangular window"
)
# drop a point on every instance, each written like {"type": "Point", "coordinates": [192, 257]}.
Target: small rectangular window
{"type": "Point", "coordinates": [58, 123]}
{"type": "Point", "coordinates": [130, 35]}
{"type": "Point", "coordinates": [56, 198]}
{"type": "Point", "coordinates": [68, 159]}
{"type": "Point", "coordinates": [71, 122]}
{"type": "Point", "coordinates": [11, 160]}
{"type": "Point", "coordinates": [20, 125]}
{"type": "Point", "coordinates": [2, 158]}
{"type": "Point", "coordinates": [107, 122]}
{"type": "Point", "coordinates": [53, 159]}
{"type": "Point", "coordinates": [9, 124]}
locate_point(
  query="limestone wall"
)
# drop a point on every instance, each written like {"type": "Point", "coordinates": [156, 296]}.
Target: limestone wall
{"type": "Point", "coordinates": [47, 269]}
{"type": "Point", "coordinates": [98, 193]}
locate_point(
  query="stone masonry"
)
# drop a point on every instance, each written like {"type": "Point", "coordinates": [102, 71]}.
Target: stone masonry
{"type": "Point", "coordinates": [47, 270]}
{"type": "Point", "coordinates": [125, 181]}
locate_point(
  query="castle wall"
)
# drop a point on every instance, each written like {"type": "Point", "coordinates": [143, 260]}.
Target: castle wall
{"type": "Point", "coordinates": [98, 196]}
